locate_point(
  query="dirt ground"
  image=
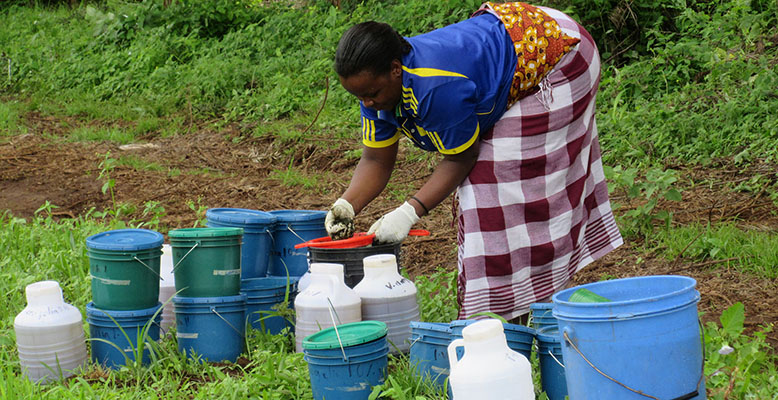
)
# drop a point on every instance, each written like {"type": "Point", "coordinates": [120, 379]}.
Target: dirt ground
{"type": "Point", "coordinates": [229, 168]}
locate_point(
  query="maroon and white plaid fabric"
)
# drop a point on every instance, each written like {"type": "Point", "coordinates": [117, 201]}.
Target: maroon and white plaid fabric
{"type": "Point", "coordinates": [535, 208]}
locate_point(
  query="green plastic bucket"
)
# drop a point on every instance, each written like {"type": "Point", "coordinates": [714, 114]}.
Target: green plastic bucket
{"type": "Point", "coordinates": [206, 261]}
{"type": "Point", "coordinates": [124, 267]}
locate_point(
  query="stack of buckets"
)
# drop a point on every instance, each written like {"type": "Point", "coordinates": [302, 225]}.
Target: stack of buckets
{"type": "Point", "coordinates": [549, 351]}
{"type": "Point", "coordinates": [124, 313]}
{"type": "Point", "coordinates": [260, 242]}
{"type": "Point", "coordinates": [209, 308]}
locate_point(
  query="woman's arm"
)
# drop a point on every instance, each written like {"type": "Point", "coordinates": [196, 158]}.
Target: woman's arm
{"type": "Point", "coordinates": [371, 175]}
{"type": "Point", "coordinates": [448, 174]}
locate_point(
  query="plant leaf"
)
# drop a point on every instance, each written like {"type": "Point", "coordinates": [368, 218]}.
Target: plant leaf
{"type": "Point", "coordinates": [732, 319]}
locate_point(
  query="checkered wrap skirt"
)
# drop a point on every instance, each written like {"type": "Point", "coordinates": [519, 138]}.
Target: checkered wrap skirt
{"type": "Point", "coordinates": [535, 208]}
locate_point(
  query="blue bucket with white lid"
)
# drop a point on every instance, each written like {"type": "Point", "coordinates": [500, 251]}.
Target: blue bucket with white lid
{"type": "Point", "coordinates": [653, 319]}
{"type": "Point", "coordinates": [110, 330]}
{"type": "Point", "coordinates": [211, 328]}
{"type": "Point", "coordinates": [346, 361]}
{"type": "Point", "coordinates": [124, 266]}
{"type": "Point", "coordinates": [294, 227]}
{"type": "Point", "coordinates": [258, 227]}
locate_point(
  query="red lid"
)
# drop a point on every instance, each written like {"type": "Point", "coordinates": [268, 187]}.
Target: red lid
{"type": "Point", "coordinates": [360, 239]}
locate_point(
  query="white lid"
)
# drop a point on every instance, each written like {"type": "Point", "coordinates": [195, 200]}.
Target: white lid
{"type": "Point", "coordinates": [327, 268]}
{"type": "Point", "coordinates": [380, 261]}
{"type": "Point", "coordinates": [44, 293]}
{"type": "Point", "coordinates": [483, 330]}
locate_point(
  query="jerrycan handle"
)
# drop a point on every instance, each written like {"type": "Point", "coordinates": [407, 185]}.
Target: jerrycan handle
{"type": "Point", "coordinates": [452, 352]}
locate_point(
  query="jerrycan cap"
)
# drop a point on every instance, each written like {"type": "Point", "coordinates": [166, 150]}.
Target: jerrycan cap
{"type": "Point", "coordinates": [44, 293]}
{"type": "Point", "coordinates": [327, 268]}
{"type": "Point", "coordinates": [351, 334]}
{"type": "Point", "coordinates": [388, 261]}
{"type": "Point", "coordinates": [482, 330]}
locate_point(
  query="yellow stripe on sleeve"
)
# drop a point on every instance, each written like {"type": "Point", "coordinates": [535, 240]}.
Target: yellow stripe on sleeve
{"type": "Point", "coordinates": [427, 72]}
{"type": "Point", "coordinates": [383, 143]}
{"type": "Point", "coordinates": [464, 146]}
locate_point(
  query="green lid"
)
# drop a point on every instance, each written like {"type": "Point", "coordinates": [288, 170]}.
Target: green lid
{"type": "Point", "coordinates": [583, 295]}
{"type": "Point", "coordinates": [192, 233]}
{"type": "Point", "coordinates": [351, 334]}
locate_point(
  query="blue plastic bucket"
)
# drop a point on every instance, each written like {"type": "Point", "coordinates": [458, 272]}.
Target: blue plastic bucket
{"type": "Point", "coordinates": [257, 245]}
{"type": "Point", "coordinates": [212, 328]}
{"type": "Point", "coordinates": [262, 295]}
{"type": "Point", "coordinates": [294, 227]}
{"type": "Point", "coordinates": [542, 316]}
{"type": "Point", "coordinates": [552, 370]}
{"type": "Point", "coordinates": [429, 350]}
{"type": "Point", "coordinates": [519, 338]}
{"type": "Point", "coordinates": [346, 363]}
{"type": "Point", "coordinates": [647, 339]}
{"type": "Point", "coordinates": [132, 322]}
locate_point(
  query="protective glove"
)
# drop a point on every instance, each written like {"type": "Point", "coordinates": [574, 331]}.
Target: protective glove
{"type": "Point", "coordinates": [394, 227]}
{"type": "Point", "coordinates": [339, 221]}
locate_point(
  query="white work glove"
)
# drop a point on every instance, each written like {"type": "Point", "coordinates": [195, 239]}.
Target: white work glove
{"type": "Point", "coordinates": [339, 221]}
{"type": "Point", "coordinates": [394, 227]}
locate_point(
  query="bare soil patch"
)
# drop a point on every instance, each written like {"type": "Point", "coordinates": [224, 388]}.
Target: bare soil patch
{"type": "Point", "coordinates": [228, 168]}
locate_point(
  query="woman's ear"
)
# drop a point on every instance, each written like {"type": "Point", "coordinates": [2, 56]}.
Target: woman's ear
{"type": "Point", "coordinates": [397, 69]}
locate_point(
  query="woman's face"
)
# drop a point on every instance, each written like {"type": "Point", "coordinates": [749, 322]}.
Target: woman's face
{"type": "Point", "coordinates": [379, 92]}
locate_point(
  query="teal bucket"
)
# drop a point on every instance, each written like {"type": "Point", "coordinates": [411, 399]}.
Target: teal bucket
{"type": "Point", "coordinates": [294, 227]}
{"type": "Point", "coordinates": [552, 369]}
{"type": "Point", "coordinates": [206, 261]}
{"type": "Point", "coordinates": [347, 361]}
{"type": "Point", "coordinates": [429, 350]}
{"type": "Point", "coordinates": [124, 267]}
{"type": "Point", "coordinates": [542, 318]}
{"type": "Point", "coordinates": [645, 341]}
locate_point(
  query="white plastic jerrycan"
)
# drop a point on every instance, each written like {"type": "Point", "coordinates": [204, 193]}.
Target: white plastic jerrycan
{"type": "Point", "coordinates": [325, 302]}
{"type": "Point", "coordinates": [167, 288]}
{"type": "Point", "coordinates": [388, 297]}
{"type": "Point", "coordinates": [488, 369]}
{"type": "Point", "coordinates": [49, 334]}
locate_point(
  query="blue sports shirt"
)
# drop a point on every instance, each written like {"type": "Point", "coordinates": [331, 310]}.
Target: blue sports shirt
{"type": "Point", "coordinates": [455, 85]}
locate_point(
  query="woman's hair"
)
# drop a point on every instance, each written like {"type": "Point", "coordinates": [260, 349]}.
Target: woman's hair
{"type": "Point", "coordinates": [369, 46]}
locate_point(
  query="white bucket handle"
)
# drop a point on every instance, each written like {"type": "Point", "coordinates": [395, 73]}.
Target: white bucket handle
{"type": "Point", "coordinates": [149, 268]}
{"type": "Point", "coordinates": [182, 258]}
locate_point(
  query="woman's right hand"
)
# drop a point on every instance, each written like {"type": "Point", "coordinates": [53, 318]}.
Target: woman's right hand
{"type": "Point", "coordinates": [339, 221]}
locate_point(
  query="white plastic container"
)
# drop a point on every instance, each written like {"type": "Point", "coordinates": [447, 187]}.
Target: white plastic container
{"type": "Point", "coordinates": [488, 369]}
{"type": "Point", "coordinates": [326, 299]}
{"type": "Point", "coordinates": [49, 334]}
{"type": "Point", "coordinates": [167, 288]}
{"type": "Point", "coordinates": [390, 298]}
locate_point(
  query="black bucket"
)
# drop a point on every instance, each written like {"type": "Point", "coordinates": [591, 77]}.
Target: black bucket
{"type": "Point", "coordinates": [351, 259]}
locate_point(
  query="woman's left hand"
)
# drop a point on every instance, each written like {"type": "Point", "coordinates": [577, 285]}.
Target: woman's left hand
{"type": "Point", "coordinates": [394, 226]}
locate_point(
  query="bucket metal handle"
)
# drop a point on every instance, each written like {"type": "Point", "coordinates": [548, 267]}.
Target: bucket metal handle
{"type": "Point", "coordinates": [213, 309]}
{"type": "Point", "coordinates": [145, 265]}
{"type": "Point", "coordinates": [295, 233]}
{"type": "Point", "coordinates": [537, 350]}
{"type": "Point", "coordinates": [187, 253]}
{"type": "Point", "coordinates": [334, 315]}
{"type": "Point", "coordinates": [687, 396]}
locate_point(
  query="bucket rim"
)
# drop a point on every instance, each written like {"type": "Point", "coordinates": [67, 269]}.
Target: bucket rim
{"type": "Point", "coordinates": [241, 216]}
{"type": "Point", "coordinates": [283, 216]}
{"type": "Point", "coordinates": [441, 327]}
{"type": "Point", "coordinates": [93, 311]}
{"type": "Point", "coordinates": [133, 239]}
{"type": "Point", "coordinates": [349, 334]}
{"type": "Point", "coordinates": [674, 299]}
{"type": "Point", "coordinates": [203, 233]}
{"type": "Point", "coordinates": [184, 301]}
{"type": "Point", "coordinates": [255, 283]}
